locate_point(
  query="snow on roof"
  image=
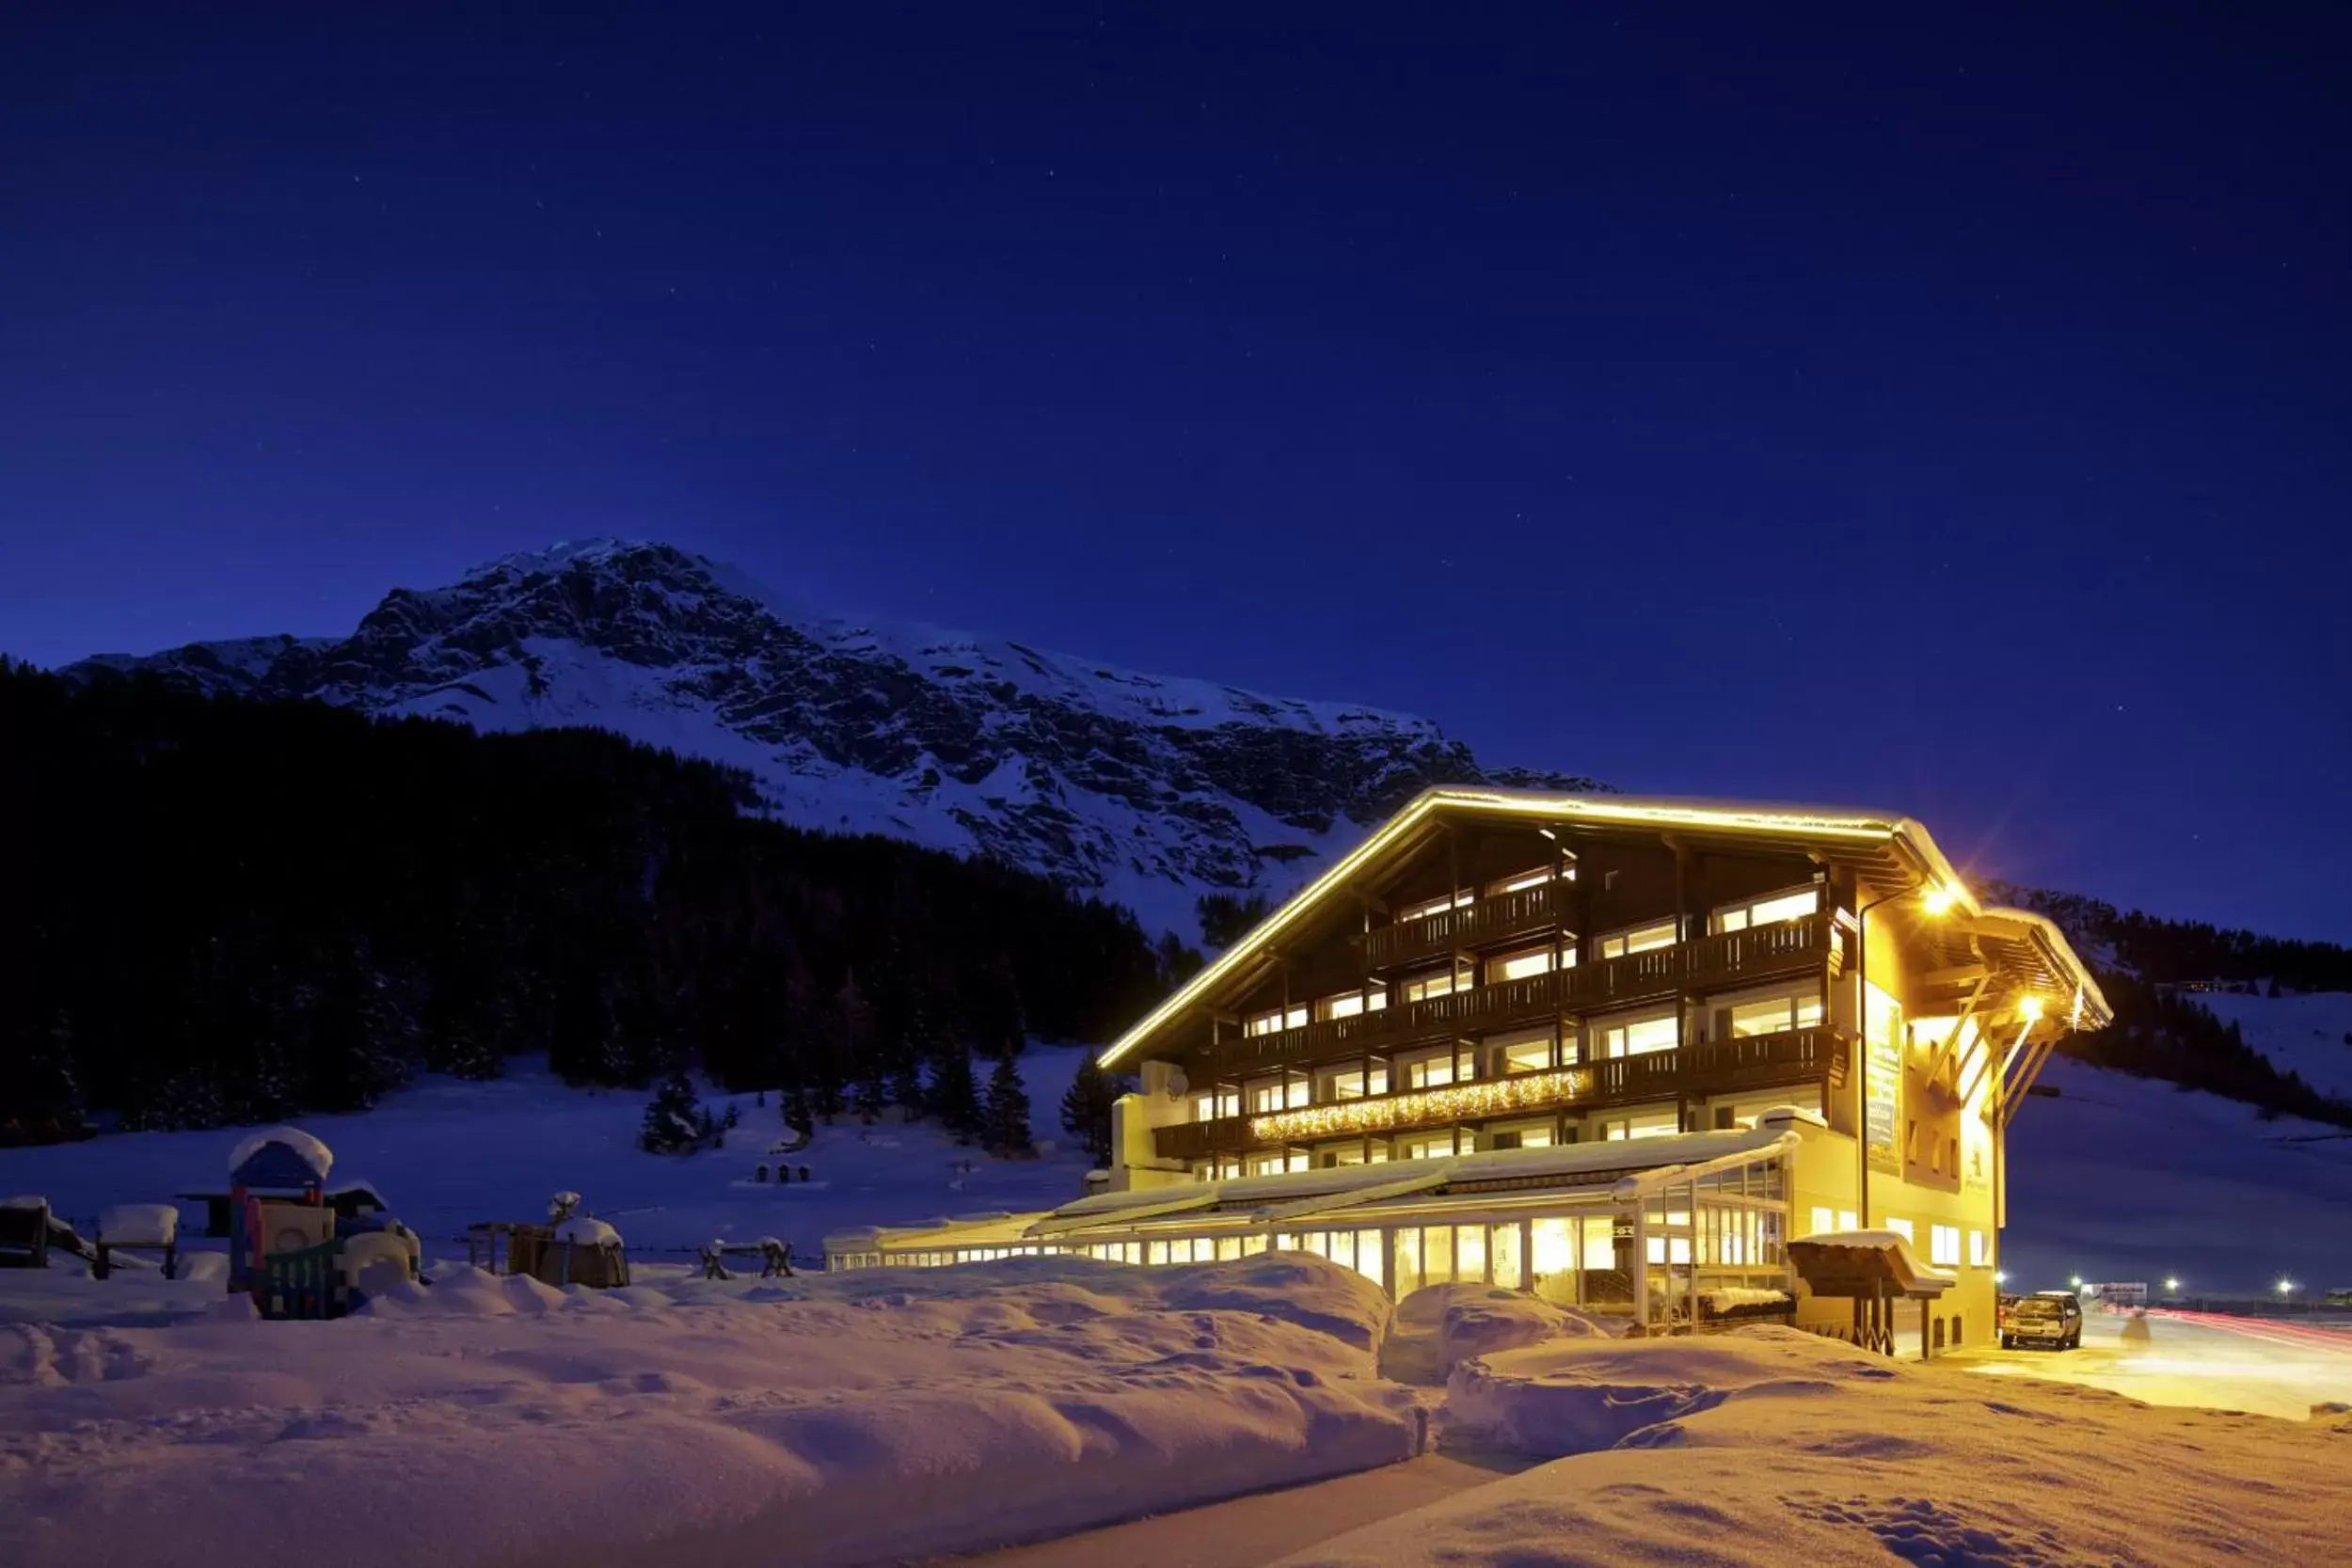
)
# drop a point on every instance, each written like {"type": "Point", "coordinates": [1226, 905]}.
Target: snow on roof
{"type": "Point", "coordinates": [1892, 1245]}
{"type": "Point", "coordinates": [579, 1229]}
{"type": "Point", "coordinates": [308, 1149]}
{"type": "Point", "coordinates": [1561, 1161]}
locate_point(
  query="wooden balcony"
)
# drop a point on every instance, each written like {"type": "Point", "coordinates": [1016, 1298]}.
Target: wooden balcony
{"type": "Point", "coordinates": [1479, 924]}
{"type": "Point", "coordinates": [1702, 964]}
{"type": "Point", "coordinates": [1788, 947]}
{"type": "Point", "coordinates": [1793, 1056]}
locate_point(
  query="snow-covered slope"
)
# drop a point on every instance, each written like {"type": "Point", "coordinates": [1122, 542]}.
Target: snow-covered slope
{"type": "Point", "coordinates": [446, 1152]}
{"type": "Point", "coordinates": [2123, 1178]}
{"type": "Point", "coordinates": [1148, 789]}
{"type": "Point", "coordinates": [2308, 1036]}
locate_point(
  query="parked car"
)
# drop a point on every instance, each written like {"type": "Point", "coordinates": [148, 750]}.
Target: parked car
{"type": "Point", "coordinates": [2053, 1318]}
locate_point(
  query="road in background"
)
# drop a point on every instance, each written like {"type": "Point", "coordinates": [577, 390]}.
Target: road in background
{"type": "Point", "coordinates": [2208, 1360]}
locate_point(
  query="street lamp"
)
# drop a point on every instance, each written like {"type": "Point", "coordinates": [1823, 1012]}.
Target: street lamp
{"type": "Point", "coordinates": [2001, 1277]}
{"type": "Point", "coordinates": [2076, 1280]}
{"type": "Point", "coordinates": [2171, 1285]}
{"type": "Point", "coordinates": [2286, 1287]}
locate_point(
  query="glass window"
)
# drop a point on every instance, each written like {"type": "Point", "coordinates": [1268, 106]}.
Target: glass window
{"type": "Point", "coordinates": [1426, 1146]}
{"type": "Point", "coordinates": [1503, 1250]}
{"type": "Point", "coordinates": [1944, 1245]}
{"type": "Point", "coordinates": [1518, 966]}
{"type": "Point", "coordinates": [1424, 988]}
{"type": "Point", "coordinates": [1435, 906]}
{"type": "Point", "coordinates": [1436, 1254]}
{"type": "Point", "coordinates": [1980, 1249]}
{"type": "Point", "coordinates": [1406, 1257]}
{"type": "Point", "coordinates": [1633, 1036]}
{"type": "Point", "coordinates": [1222, 1102]}
{"type": "Point", "coordinates": [1525, 879]}
{"type": "Point", "coordinates": [1348, 1004]}
{"type": "Point", "coordinates": [1470, 1253]}
{"type": "Point", "coordinates": [1901, 1227]}
{"type": "Point", "coordinates": [1637, 939]}
{"type": "Point", "coordinates": [1767, 911]}
{"type": "Point", "coordinates": [1268, 1022]}
{"type": "Point", "coordinates": [1642, 1124]}
{"type": "Point", "coordinates": [1773, 1015]}
{"type": "Point", "coordinates": [1822, 1220]}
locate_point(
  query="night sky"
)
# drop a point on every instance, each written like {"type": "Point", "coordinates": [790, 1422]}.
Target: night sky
{"type": "Point", "coordinates": [1913, 408]}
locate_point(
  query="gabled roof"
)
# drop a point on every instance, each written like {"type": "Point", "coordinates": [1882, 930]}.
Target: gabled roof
{"type": "Point", "coordinates": [1885, 851]}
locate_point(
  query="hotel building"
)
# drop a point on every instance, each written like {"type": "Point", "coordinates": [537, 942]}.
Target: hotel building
{"type": "Point", "coordinates": [1617, 1050]}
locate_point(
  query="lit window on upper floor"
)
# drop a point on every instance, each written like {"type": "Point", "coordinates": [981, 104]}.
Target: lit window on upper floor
{"type": "Point", "coordinates": [1901, 1227]}
{"type": "Point", "coordinates": [1332, 1084]}
{"type": "Point", "coordinates": [1533, 960]}
{"type": "Point", "coordinates": [1279, 1019]}
{"type": "Point", "coordinates": [1222, 1102]}
{"type": "Point", "coordinates": [1633, 1036]}
{"type": "Point", "coordinates": [1435, 906]}
{"type": "Point", "coordinates": [1521, 882]}
{"type": "Point", "coordinates": [1636, 938]}
{"type": "Point", "coordinates": [1944, 1245]}
{"type": "Point", "coordinates": [1793, 905]}
{"type": "Point", "coordinates": [1348, 1004]}
{"type": "Point", "coordinates": [1771, 1015]}
{"type": "Point", "coordinates": [1424, 987]}
{"type": "Point", "coordinates": [1658, 1123]}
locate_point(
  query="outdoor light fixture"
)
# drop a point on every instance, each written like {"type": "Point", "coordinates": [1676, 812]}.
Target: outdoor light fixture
{"type": "Point", "coordinates": [1524, 1091]}
{"type": "Point", "coordinates": [2286, 1287]}
{"type": "Point", "coordinates": [2076, 1280]}
{"type": "Point", "coordinates": [1549, 834]}
{"type": "Point", "coordinates": [1938, 901]}
{"type": "Point", "coordinates": [2172, 1285]}
{"type": "Point", "coordinates": [2001, 1277]}
{"type": "Point", "coordinates": [2030, 1008]}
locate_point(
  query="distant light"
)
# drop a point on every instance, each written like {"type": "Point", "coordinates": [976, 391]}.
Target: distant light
{"type": "Point", "coordinates": [2171, 1284]}
{"type": "Point", "coordinates": [2076, 1280]}
{"type": "Point", "coordinates": [2031, 1008]}
{"type": "Point", "coordinates": [2001, 1277]}
{"type": "Point", "coordinates": [1549, 834]}
{"type": "Point", "coordinates": [2286, 1287]}
{"type": "Point", "coordinates": [1938, 901]}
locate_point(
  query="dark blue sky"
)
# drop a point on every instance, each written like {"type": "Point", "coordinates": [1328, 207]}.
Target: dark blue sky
{"type": "Point", "coordinates": [1908, 407]}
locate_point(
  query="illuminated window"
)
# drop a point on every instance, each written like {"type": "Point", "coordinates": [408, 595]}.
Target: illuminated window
{"type": "Point", "coordinates": [1348, 1004]}
{"type": "Point", "coordinates": [1633, 1036]}
{"type": "Point", "coordinates": [1349, 1083]}
{"type": "Point", "coordinates": [1822, 1220]}
{"type": "Point", "coordinates": [1279, 1094]}
{"type": "Point", "coordinates": [1435, 906]}
{"type": "Point", "coordinates": [1435, 1070]}
{"type": "Point", "coordinates": [1743, 1114]}
{"type": "Point", "coordinates": [1846, 1220]}
{"type": "Point", "coordinates": [1766, 911]}
{"type": "Point", "coordinates": [1642, 1124]}
{"type": "Point", "coordinates": [1980, 1249]}
{"type": "Point", "coordinates": [1224, 1102]}
{"type": "Point", "coordinates": [1524, 1135]}
{"type": "Point", "coordinates": [1637, 939]}
{"type": "Point", "coordinates": [1425, 987]}
{"type": "Point", "coordinates": [1518, 966]}
{"type": "Point", "coordinates": [1426, 1146]}
{"type": "Point", "coordinates": [1944, 1245]}
{"type": "Point", "coordinates": [1772, 1015]}
{"type": "Point", "coordinates": [1268, 1022]}
{"type": "Point", "coordinates": [1901, 1227]}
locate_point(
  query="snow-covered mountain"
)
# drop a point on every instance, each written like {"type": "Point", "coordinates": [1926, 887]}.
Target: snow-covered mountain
{"type": "Point", "coordinates": [1147, 790]}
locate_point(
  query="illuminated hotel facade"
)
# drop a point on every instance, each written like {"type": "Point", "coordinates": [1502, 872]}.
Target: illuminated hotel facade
{"type": "Point", "coordinates": [1618, 1052]}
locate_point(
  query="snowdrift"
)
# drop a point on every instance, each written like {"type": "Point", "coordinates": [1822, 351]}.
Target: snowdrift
{"type": "Point", "coordinates": [1771, 1446]}
{"type": "Point", "coordinates": [831, 1421]}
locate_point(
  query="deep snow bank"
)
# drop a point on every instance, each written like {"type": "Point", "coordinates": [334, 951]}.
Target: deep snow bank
{"type": "Point", "coordinates": [1769, 1446]}
{"type": "Point", "coordinates": [835, 1419]}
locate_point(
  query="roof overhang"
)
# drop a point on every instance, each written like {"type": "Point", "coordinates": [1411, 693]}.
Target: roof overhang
{"type": "Point", "coordinates": [1887, 852]}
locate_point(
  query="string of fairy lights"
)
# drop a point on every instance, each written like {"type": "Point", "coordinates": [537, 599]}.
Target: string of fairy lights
{"type": "Point", "coordinates": [1525, 1091]}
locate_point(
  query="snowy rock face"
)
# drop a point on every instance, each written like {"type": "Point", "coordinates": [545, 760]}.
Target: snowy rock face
{"type": "Point", "coordinates": [1146, 789]}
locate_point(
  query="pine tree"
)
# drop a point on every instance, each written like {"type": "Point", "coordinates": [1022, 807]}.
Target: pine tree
{"type": "Point", "coordinates": [954, 1097]}
{"type": "Point", "coordinates": [1005, 1116]}
{"type": "Point", "coordinates": [675, 1121]}
{"type": "Point", "coordinates": [1088, 1106]}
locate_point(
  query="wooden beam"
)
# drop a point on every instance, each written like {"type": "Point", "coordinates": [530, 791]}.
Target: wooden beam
{"type": "Point", "coordinates": [1959, 974]}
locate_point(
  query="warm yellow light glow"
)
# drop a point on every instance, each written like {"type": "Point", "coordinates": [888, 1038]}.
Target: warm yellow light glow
{"type": "Point", "coordinates": [2030, 1009]}
{"type": "Point", "coordinates": [1938, 901]}
{"type": "Point", "coordinates": [1492, 1097]}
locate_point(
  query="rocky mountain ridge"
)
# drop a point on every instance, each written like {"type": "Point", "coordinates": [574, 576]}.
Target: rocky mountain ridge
{"type": "Point", "coordinates": [1147, 789]}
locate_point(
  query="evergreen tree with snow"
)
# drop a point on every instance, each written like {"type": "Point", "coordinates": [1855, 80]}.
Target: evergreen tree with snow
{"type": "Point", "coordinates": [674, 1122]}
{"type": "Point", "coordinates": [954, 1097]}
{"type": "Point", "coordinates": [1005, 1116]}
{"type": "Point", "coordinates": [1086, 1107]}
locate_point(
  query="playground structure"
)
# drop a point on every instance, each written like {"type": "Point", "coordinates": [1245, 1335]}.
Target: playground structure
{"type": "Point", "coordinates": [570, 1249]}
{"type": "Point", "coordinates": [298, 1255]}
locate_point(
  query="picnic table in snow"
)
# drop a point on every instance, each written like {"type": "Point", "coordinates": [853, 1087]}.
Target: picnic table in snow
{"type": "Point", "coordinates": [775, 1257]}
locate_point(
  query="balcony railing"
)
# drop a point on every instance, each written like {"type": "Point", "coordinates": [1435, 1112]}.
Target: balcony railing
{"type": "Point", "coordinates": [1484, 920]}
{"type": "Point", "coordinates": [1729, 958]}
{"type": "Point", "coordinates": [1707, 1068]}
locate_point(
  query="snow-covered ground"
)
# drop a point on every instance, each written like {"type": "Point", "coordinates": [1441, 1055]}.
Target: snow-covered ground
{"type": "Point", "coordinates": [832, 1420]}
{"type": "Point", "coordinates": [446, 1152]}
{"type": "Point", "coordinates": [2309, 1036]}
{"type": "Point", "coordinates": [1769, 1446]}
{"type": "Point", "coordinates": [2130, 1179]}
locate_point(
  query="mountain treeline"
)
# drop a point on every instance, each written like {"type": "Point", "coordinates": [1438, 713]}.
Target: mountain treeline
{"type": "Point", "coordinates": [229, 911]}
{"type": "Point", "coordinates": [2163, 1032]}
